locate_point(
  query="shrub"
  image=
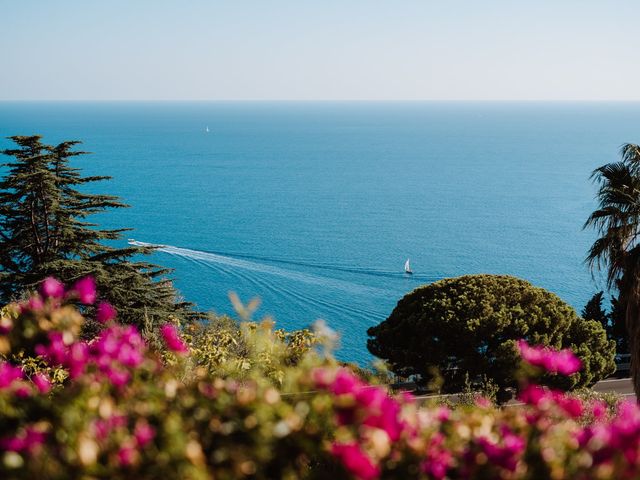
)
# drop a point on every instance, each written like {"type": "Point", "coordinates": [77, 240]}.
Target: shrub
{"type": "Point", "coordinates": [124, 413]}
{"type": "Point", "coordinates": [225, 348]}
{"type": "Point", "coordinates": [469, 325]}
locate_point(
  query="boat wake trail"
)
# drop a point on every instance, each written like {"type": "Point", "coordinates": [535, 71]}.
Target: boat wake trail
{"type": "Point", "coordinates": [232, 264]}
{"type": "Point", "coordinates": [319, 266]}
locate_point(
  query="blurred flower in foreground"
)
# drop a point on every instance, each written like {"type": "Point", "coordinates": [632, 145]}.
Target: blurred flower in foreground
{"type": "Point", "coordinates": [563, 362]}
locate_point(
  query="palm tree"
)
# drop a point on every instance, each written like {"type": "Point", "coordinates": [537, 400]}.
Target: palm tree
{"type": "Point", "coordinates": [617, 221]}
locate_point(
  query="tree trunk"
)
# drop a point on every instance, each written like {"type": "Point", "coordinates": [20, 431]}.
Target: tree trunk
{"type": "Point", "coordinates": [633, 329]}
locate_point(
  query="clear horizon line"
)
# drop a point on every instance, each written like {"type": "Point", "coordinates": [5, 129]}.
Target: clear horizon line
{"type": "Point", "coordinates": [328, 100]}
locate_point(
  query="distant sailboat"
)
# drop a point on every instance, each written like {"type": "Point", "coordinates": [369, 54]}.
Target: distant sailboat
{"type": "Point", "coordinates": [407, 268]}
{"type": "Point", "coordinates": [207, 129]}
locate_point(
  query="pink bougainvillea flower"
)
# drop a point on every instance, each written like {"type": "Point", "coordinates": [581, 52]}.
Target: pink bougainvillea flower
{"type": "Point", "coordinates": [553, 361]}
{"type": "Point", "coordinates": [345, 382]}
{"type": "Point", "coordinates": [572, 406]}
{"type": "Point", "coordinates": [564, 362]}
{"type": "Point", "coordinates": [25, 441]}
{"type": "Point", "coordinates": [34, 304]}
{"type": "Point", "coordinates": [543, 399]}
{"type": "Point", "coordinates": [442, 413]}
{"type": "Point", "coordinates": [172, 339]}
{"type": "Point", "coordinates": [355, 461]}
{"type": "Point", "coordinates": [104, 427]}
{"type": "Point", "coordinates": [22, 390]}
{"type": "Point", "coordinates": [126, 455]}
{"type": "Point", "coordinates": [9, 374]}
{"type": "Point", "coordinates": [116, 351]}
{"type": "Point", "coordinates": [118, 378]}
{"type": "Point", "coordinates": [144, 433]}
{"type": "Point", "coordinates": [85, 289]}
{"type": "Point", "coordinates": [56, 351]}
{"type": "Point", "coordinates": [533, 395]}
{"type": "Point", "coordinates": [437, 459]}
{"type": "Point", "coordinates": [77, 359]}
{"type": "Point", "coordinates": [598, 409]}
{"type": "Point", "coordinates": [507, 452]}
{"type": "Point", "coordinates": [74, 356]}
{"type": "Point", "coordinates": [42, 382]}
{"type": "Point", "coordinates": [105, 312]}
{"type": "Point", "coordinates": [52, 288]}
{"type": "Point", "coordinates": [381, 411]}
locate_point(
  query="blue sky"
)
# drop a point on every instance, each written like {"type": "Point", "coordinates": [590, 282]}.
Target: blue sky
{"type": "Point", "coordinates": [319, 50]}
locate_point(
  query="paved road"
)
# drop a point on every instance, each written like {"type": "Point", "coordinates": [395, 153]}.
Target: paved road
{"type": "Point", "coordinates": [620, 386]}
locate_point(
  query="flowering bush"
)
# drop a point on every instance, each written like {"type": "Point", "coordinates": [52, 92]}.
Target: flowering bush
{"type": "Point", "coordinates": [125, 410]}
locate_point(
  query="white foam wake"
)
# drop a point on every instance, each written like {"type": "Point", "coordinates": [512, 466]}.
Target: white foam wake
{"type": "Point", "coordinates": [264, 268]}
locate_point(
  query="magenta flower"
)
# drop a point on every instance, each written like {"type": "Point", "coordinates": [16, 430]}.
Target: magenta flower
{"type": "Point", "coordinates": [144, 433]}
{"type": "Point", "coordinates": [104, 427]}
{"type": "Point", "coordinates": [505, 454]}
{"type": "Point", "coordinates": [85, 289]}
{"type": "Point", "coordinates": [598, 409]}
{"type": "Point", "coordinates": [42, 383]}
{"type": "Point", "coordinates": [22, 390]}
{"type": "Point", "coordinates": [116, 351]}
{"type": "Point", "coordinates": [345, 382]}
{"type": "Point", "coordinates": [571, 405]}
{"type": "Point", "coordinates": [118, 378]}
{"type": "Point", "coordinates": [25, 441]}
{"type": "Point", "coordinates": [34, 304]}
{"type": "Point", "coordinates": [564, 361]}
{"type": "Point", "coordinates": [355, 461]}
{"type": "Point", "coordinates": [52, 288]}
{"type": "Point", "coordinates": [381, 412]}
{"type": "Point", "coordinates": [533, 395]}
{"type": "Point", "coordinates": [9, 374]}
{"type": "Point", "coordinates": [105, 312]}
{"type": "Point", "coordinates": [126, 455]}
{"type": "Point", "coordinates": [172, 339]}
{"type": "Point", "coordinates": [77, 359]}
{"type": "Point", "coordinates": [442, 414]}
{"type": "Point", "coordinates": [437, 459]}
{"type": "Point", "coordinates": [56, 351]}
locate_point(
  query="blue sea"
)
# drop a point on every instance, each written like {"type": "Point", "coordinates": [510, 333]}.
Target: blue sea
{"type": "Point", "coordinates": [314, 207]}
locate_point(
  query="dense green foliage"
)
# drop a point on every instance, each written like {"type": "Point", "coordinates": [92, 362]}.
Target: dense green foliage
{"type": "Point", "coordinates": [617, 250]}
{"type": "Point", "coordinates": [594, 310]}
{"type": "Point", "coordinates": [612, 320]}
{"type": "Point", "coordinates": [44, 231]}
{"type": "Point", "coordinates": [467, 326]}
{"type": "Point", "coordinates": [227, 348]}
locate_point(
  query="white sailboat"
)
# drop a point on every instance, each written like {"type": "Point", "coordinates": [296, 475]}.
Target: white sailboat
{"type": "Point", "coordinates": [407, 267]}
{"type": "Point", "coordinates": [207, 129]}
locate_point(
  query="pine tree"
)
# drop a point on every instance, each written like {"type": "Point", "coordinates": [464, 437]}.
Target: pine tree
{"type": "Point", "coordinates": [617, 319]}
{"type": "Point", "coordinates": [44, 232]}
{"type": "Point", "coordinates": [593, 311]}
{"type": "Point", "coordinates": [613, 321]}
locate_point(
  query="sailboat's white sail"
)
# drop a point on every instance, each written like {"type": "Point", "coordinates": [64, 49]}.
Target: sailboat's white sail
{"type": "Point", "coordinates": [207, 129]}
{"type": "Point", "coordinates": [407, 266]}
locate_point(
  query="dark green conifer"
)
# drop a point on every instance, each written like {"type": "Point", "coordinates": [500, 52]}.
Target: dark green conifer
{"type": "Point", "coordinates": [593, 310]}
{"type": "Point", "coordinates": [44, 232]}
{"type": "Point", "coordinates": [618, 325]}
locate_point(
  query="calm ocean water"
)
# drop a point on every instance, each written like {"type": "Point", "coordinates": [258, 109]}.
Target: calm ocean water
{"type": "Point", "coordinates": [314, 207]}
